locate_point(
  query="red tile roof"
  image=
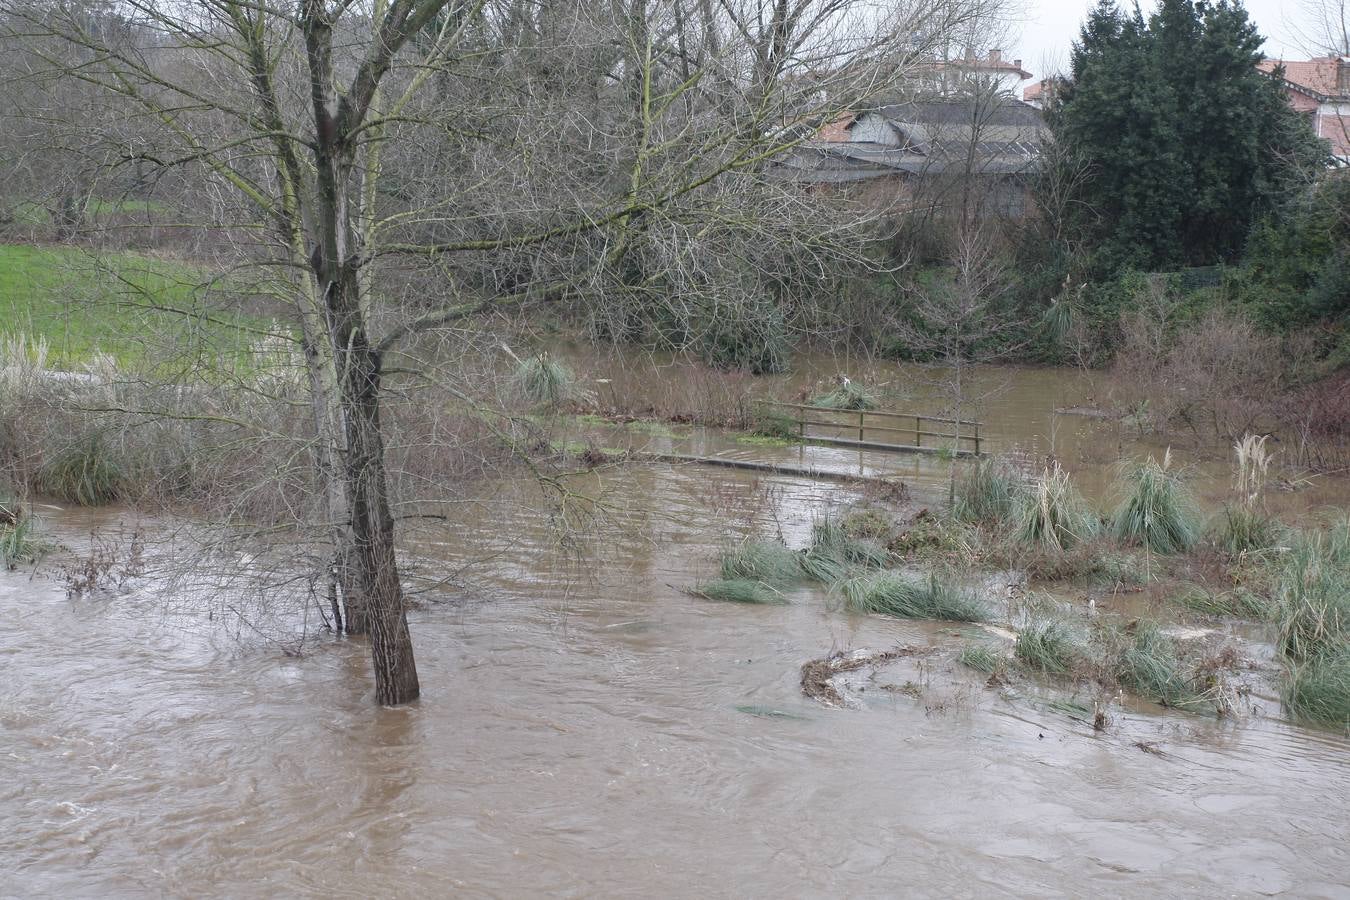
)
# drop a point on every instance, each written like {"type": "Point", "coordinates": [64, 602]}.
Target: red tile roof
{"type": "Point", "coordinates": [1317, 76]}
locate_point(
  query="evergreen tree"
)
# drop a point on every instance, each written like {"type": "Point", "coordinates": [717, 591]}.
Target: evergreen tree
{"type": "Point", "coordinates": [1186, 141]}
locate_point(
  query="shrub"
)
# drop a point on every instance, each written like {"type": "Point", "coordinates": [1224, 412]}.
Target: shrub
{"type": "Point", "coordinates": [1048, 646]}
{"type": "Point", "coordinates": [909, 596]}
{"type": "Point", "coordinates": [1319, 690]}
{"type": "Point", "coordinates": [988, 492]}
{"type": "Point", "coordinates": [766, 561]}
{"type": "Point", "coordinates": [753, 339]}
{"type": "Point", "coordinates": [83, 473]}
{"type": "Point", "coordinates": [739, 590]}
{"type": "Point", "coordinates": [1052, 514]}
{"type": "Point", "coordinates": [774, 424]}
{"type": "Point", "coordinates": [1158, 512]}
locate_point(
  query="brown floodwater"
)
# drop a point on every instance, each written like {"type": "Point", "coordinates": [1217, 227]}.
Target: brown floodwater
{"type": "Point", "coordinates": [588, 728]}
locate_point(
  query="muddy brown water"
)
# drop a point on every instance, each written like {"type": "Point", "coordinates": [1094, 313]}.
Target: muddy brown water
{"type": "Point", "coordinates": [589, 729]}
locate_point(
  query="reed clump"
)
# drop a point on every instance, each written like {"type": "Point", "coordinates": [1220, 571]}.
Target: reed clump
{"type": "Point", "coordinates": [1157, 512]}
{"type": "Point", "coordinates": [85, 473]}
{"type": "Point", "coordinates": [739, 590]}
{"type": "Point", "coordinates": [1051, 514]}
{"type": "Point", "coordinates": [1246, 525]}
{"type": "Point", "coordinates": [908, 596]}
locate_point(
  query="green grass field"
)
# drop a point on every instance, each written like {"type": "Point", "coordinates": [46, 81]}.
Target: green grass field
{"type": "Point", "coordinates": [129, 306]}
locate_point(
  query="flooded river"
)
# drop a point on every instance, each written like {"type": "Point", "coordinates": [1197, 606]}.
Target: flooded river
{"type": "Point", "coordinates": [588, 728]}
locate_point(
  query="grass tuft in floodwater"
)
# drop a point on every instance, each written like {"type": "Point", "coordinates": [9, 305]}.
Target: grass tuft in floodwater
{"type": "Point", "coordinates": [908, 596]}
{"type": "Point", "coordinates": [982, 658]}
{"type": "Point", "coordinates": [1052, 514]}
{"type": "Point", "coordinates": [739, 590]}
{"type": "Point", "coordinates": [84, 473]}
{"type": "Point", "coordinates": [756, 560]}
{"type": "Point", "coordinates": [544, 381]}
{"type": "Point", "coordinates": [1319, 690]}
{"type": "Point", "coordinates": [847, 395]}
{"type": "Point", "coordinates": [1048, 646]}
{"type": "Point", "coordinates": [20, 541]}
{"type": "Point", "coordinates": [774, 424]}
{"type": "Point", "coordinates": [1150, 667]}
{"type": "Point", "coordinates": [1157, 512]}
{"type": "Point", "coordinates": [1313, 594]}
{"type": "Point", "coordinates": [833, 553]}
{"type": "Point", "coordinates": [987, 493]}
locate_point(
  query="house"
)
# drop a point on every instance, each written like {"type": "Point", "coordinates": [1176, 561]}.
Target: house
{"type": "Point", "coordinates": [1320, 89]}
{"type": "Point", "coordinates": [961, 74]}
{"type": "Point", "coordinates": [925, 152]}
{"type": "Point", "coordinates": [1042, 93]}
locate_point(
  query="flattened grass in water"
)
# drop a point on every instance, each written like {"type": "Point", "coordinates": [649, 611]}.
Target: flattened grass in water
{"type": "Point", "coordinates": [1158, 512]}
{"type": "Point", "coordinates": [830, 539]}
{"type": "Point", "coordinates": [766, 561]}
{"type": "Point", "coordinates": [908, 596]}
{"type": "Point", "coordinates": [739, 590]}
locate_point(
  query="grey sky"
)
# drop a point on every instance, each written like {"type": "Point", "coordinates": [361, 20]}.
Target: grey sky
{"type": "Point", "coordinates": [1046, 28]}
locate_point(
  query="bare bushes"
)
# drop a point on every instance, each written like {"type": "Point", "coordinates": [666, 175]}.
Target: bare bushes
{"type": "Point", "coordinates": [1217, 378]}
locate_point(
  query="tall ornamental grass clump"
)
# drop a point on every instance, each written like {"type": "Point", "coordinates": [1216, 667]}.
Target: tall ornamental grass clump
{"type": "Point", "coordinates": [1051, 514]}
{"type": "Point", "coordinates": [1157, 512]}
{"type": "Point", "coordinates": [1246, 525]}
{"type": "Point", "coordinates": [19, 538]}
{"type": "Point", "coordinates": [1312, 593]}
{"type": "Point", "coordinates": [988, 493]}
{"type": "Point", "coordinates": [85, 473]}
{"type": "Point", "coordinates": [769, 562]}
{"type": "Point", "coordinates": [847, 395]}
{"type": "Point", "coordinates": [544, 381]}
{"type": "Point", "coordinates": [908, 596]}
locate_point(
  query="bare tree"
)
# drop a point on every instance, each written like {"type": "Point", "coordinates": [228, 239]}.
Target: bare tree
{"type": "Point", "coordinates": [400, 166]}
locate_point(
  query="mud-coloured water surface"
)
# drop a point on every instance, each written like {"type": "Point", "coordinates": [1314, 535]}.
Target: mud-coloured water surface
{"type": "Point", "coordinates": [588, 728]}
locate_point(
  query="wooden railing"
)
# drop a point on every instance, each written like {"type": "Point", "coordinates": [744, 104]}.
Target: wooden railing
{"type": "Point", "coordinates": [963, 439]}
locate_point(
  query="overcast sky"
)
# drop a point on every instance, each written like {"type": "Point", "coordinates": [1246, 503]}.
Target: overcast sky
{"type": "Point", "coordinates": [1048, 27]}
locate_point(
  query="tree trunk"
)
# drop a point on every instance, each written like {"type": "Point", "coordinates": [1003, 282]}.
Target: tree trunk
{"type": "Point", "coordinates": [372, 558]}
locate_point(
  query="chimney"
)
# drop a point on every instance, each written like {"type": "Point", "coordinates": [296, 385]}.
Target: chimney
{"type": "Point", "coordinates": [995, 57]}
{"type": "Point", "coordinates": [1017, 64]}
